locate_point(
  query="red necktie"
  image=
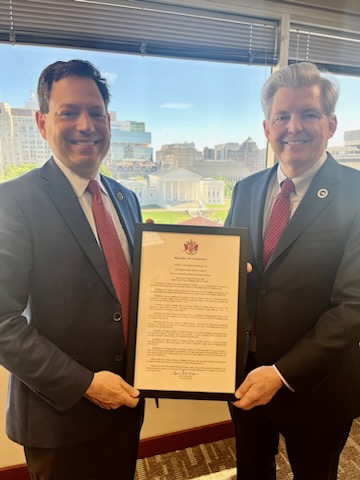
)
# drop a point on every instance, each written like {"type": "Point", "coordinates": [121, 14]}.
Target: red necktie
{"type": "Point", "coordinates": [112, 250]}
{"type": "Point", "coordinates": [279, 217]}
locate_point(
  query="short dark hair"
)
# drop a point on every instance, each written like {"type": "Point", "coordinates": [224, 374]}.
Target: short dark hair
{"type": "Point", "coordinates": [58, 70]}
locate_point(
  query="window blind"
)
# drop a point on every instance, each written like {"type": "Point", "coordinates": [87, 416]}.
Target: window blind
{"type": "Point", "coordinates": [141, 27]}
{"type": "Point", "coordinates": [336, 51]}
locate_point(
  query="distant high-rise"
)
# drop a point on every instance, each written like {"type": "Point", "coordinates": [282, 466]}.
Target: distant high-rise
{"type": "Point", "coordinates": [209, 153]}
{"type": "Point", "coordinates": [253, 157]}
{"type": "Point", "coordinates": [178, 155]}
{"type": "Point", "coordinates": [129, 142]}
{"type": "Point", "coordinates": [352, 138]}
{"type": "Point", "coordinates": [231, 161]}
{"type": "Point", "coordinates": [228, 151]}
{"type": "Point", "coordinates": [20, 139]}
{"type": "Point", "coordinates": [348, 153]}
{"type": "Point", "coordinates": [248, 155]}
{"type": "Point", "coordinates": [32, 103]}
{"type": "Point", "coordinates": [22, 143]}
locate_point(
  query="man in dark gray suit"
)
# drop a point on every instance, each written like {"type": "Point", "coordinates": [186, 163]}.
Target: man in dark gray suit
{"type": "Point", "coordinates": [303, 294]}
{"type": "Point", "coordinates": [61, 322]}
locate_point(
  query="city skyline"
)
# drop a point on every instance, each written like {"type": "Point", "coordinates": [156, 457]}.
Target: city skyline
{"type": "Point", "coordinates": [131, 149]}
{"type": "Point", "coordinates": [122, 132]}
{"type": "Point", "coordinates": [207, 103]}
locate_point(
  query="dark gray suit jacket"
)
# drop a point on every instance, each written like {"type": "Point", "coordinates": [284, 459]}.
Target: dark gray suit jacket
{"type": "Point", "coordinates": [307, 301]}
{"type": "Point", "coordinates": [57, 306]}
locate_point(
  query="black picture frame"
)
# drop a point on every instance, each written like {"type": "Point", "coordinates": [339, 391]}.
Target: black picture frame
{"type": "Point", "coordinates": [138, 324]}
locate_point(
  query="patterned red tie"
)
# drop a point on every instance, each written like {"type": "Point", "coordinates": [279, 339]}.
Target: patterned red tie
{"type": "Point", "coordinates": [279, 217]}
{"type": "Point", "coordinates": [113, 252]}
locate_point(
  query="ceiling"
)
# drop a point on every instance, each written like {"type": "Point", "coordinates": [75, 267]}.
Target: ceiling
{"type": "Point", "coordinates": [341, 6]}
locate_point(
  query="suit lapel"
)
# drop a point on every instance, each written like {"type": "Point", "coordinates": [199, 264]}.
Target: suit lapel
{"type": "Point", "coordinates": [321, 192]}
{"type": "Point", "coordinates": [63, 196]}
{"type": "Point", "coordinates": [119, 200]}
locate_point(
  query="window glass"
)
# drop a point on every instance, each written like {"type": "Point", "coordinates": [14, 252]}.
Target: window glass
{"type": "Point", "coordinates": [345, 145]}
{"type": "Point", "coordinates": [183, 131]}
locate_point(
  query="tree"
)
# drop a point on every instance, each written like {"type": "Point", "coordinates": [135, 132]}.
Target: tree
{"type": "Point", "coordinates": [227, 191]}
{"type": "Point", "coordinates": [14, 171]}
{"type": "Point", "coordinates": [104, 170]}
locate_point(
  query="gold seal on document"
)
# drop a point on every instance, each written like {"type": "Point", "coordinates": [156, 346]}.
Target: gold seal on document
{"type": "Point", "coordinates": [191, 247]}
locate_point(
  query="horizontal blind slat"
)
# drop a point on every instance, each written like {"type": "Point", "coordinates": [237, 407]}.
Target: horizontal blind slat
{"type": "Point", "coordinates": [174, 31]}
{"type": "Point", "coordinates": [336, 51]}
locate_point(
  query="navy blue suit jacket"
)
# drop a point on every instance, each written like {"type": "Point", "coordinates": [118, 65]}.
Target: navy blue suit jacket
{"type": "Point", "coordinates": [57, 307]}
{"type": "Point", "coordinates": [307, 300]}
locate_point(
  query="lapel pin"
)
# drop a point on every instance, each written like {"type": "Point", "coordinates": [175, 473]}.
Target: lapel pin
{"type": "Point", "coordinates": [322, 193]}
{"type": "Point", "coordinates": [119, 196]}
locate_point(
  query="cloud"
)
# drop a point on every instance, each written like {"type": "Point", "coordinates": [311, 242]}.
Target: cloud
{"type": "Point", "coordinates": [110, 77]}
{"type": "Point", "coordinates": [177, 106]}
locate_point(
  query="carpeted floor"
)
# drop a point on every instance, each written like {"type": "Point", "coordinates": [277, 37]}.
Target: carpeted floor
{"type": "Point", "coordinates": [216, 461]}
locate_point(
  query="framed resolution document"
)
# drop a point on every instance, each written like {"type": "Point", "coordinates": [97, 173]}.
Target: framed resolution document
{"type": "Point", "coordinates": [187, 313]}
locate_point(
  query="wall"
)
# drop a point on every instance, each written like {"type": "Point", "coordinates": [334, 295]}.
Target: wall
{"type": "Point", "coordinates": [172, 416]}
{"type": "Point", "coordinates": [10, 453]}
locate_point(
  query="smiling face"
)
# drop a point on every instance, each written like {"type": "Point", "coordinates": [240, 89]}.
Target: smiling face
{"type": "Point", "coordinates": [77, 126]}
{"type": "Point", "coordinates": [298, 128]}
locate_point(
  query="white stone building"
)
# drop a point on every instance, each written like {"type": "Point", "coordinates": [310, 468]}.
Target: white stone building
{"type": "Point", "coordinates": [174, 187]}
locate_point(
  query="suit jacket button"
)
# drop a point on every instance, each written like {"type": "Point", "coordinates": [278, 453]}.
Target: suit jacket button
{"type": "Point", "coordinates": [118, 358]}
{"type": "Point", "coordinates": [117, 317]}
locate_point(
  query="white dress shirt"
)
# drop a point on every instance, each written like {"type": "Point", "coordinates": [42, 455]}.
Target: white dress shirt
{"type": "Point", "coordinates": [80, 184]}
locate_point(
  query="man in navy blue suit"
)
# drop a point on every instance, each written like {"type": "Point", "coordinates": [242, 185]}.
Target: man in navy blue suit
{"type": "Point", "coordinates": [303, 297]}
{"type": "Point", "coordinates": [61, 328]}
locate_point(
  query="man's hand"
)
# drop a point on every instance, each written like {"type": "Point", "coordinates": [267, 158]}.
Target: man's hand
{"type": "Point", "coordinates": [258, 388]}
{"type": "Point", "coordinates": [109, 391]}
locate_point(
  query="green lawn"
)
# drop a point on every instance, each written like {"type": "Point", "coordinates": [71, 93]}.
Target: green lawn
{"type": "Point", "coordinates": [160, 215]}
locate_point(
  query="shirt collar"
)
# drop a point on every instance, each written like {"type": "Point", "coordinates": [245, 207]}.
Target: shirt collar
{"type": "Point", "coordinates": [304, 180]}
{"type": "Point", "coordinates": [78, 183]}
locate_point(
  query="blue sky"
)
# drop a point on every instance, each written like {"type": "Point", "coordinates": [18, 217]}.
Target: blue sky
{"type": "Point", "coordinates": [179, 100]}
